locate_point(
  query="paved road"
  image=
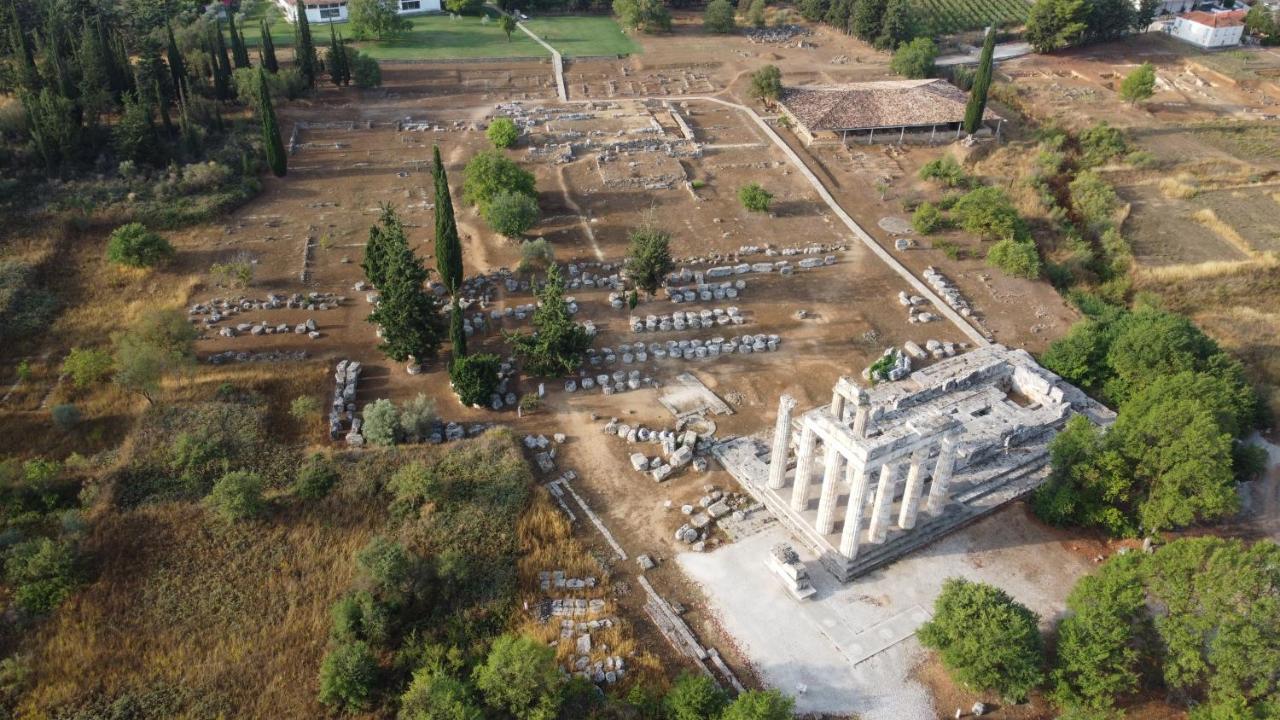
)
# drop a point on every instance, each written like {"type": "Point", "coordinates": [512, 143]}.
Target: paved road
{"type": "Point", "coordinates": [1003, 51]}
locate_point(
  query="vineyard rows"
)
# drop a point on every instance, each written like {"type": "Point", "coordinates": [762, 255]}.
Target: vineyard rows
{"type": "Point", "coordinates": [944, 17]}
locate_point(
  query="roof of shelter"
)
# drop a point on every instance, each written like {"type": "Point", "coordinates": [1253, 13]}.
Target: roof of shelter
{"type": "Point", "coordinates": [886, 103]}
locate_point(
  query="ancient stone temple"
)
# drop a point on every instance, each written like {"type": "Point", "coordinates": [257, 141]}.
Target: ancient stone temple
{"type": "Point", "coordinates": [882, 471]}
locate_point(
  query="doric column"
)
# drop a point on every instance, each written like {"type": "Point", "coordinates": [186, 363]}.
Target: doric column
{"type": "Point", "coordinates": [826, 520]}
{"type": "Point", "coordinates": [837, 404]}
{"type": "Point", "coordinates": [781, 443]}
{"type": "Point", "coordinates": [911, 493]}
{"type": "Point", "coordinates": [884, 501]}
{"type": "Point", "coordinates": [938, 495]}
{"type": "Point", "coordinates": [804, 467]}
{"type": "Point", "coordinates": [856, 475]}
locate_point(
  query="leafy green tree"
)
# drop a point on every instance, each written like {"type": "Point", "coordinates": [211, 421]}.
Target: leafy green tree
{"type": "Point", "coordinates": [557, 343]}
{"type": "Point", "coordinates": [511, 213]}
{"type": "Point", "coordinates": [489, 173]}
{"type": "Point", "coordinates": [277, 159]}
{"type": "Point", "coordinates": [508, 25]}
{"type": "Point", "coordinates": [760, 705]}
{"type": "Point", "coordinates": [977, 104]}
{"type": "Point", "coordinates": [1099, 643]}
{"type": "Point", "coordinates": [914, 59]}
{"type": "Point", "coordinates": [237, 496]}
{"type": "Point", "coordinates": [42, 573]}
{"type": "Point", "coordinates": [224, 66]}
{"type": "Point", "coordinates": [898, 25]}
{"type": "Point", "coordinates": [87, 366]}
{"type": "Point", "coordinates": [755, 198]}
{"type": "Point", "coordinates": [1139, 85]}
{"type": "Point", "coordinates": [387, 569]}
{"type": "Point", "coordinates": [1109, 19]}
{"type": "Point", "coordinates": [649, 257]}
{"type": "Point", "coordinates": [755, 15]}
{"type": "Point", "coordinates": [434, 695]}
{"type": "Point", "coordinates": [304, 48]}
{"type": "Point", "coordinates": [1018, 258]}
{"type": "Point", "coordinates": [766, 84]}
{"type": "Point", "coordinates": [1055, 24]}
{"type": "Point", "coordinates": [989, 213]}
{"type": "Point", "coordinates": [519, 676]}
{"type": "Point", "coordinates": [475, 378]}
{"type": "Point", "coordinates": [365, 70]}
{"type": "Point", "coordinates": [448, 247]}
{"type": "Point", "coordinates": [381, 422]}
{"type": "Point", "coordinates": [502, 132]}
{"type": "Point", "coordinates": [927, 218]}
{"type": "Point", "coordinates": [694, 697]}
{"type": "Point", "coordinates": [868, 19]}
{"type": "Point", "coordinates": [159, 343]}
{"type": "Point", "coordinates": [315, 478]}
{"type": "Point", "coordinates": [358, 616]}
{"type": "Point", "coordinates": [268, 49]}
{"type": "Point", "coordinates": [463, 7]}
{"type": "Point", "coordinates": [136, 246]}
{"type": "Point", "coordinates": [348, 675]}
{"type": "Point", "coordinates": [1080, 357]}
{"type": "Point", "coordinates": [987, 640]}
{"type": "Point", "coordinates": [649, 16]}
{"type": "Point", "coordinates": [1150, 343]}
{"type": "Point", "coordinates": [376, 19]}
{"type": "Point", "coordinates": [719, 17]}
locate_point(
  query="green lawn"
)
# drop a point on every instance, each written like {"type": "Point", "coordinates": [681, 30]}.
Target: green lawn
{"type": "Point", "coordinates": [578, 36]}
{"type": "Point", "coordinates": [281, 30]}
{"type": "Point", "coordinates": [440, 37]}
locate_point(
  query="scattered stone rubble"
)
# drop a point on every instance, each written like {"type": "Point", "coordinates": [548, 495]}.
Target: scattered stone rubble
{"type": "Point", "coordinates": [605, 276]}
{"type": "Point", "coordinates": [677, 447]}
{"type": "Point", "coordinates": [230, 356]}
{"type": "Point", "coordinates": [949, 292]}
{"type": "Point", "coordinates": [712, 507]}
{"type": "Point", "coordinates": [917, 308]}
{"type": "Point", "coordinates": [766, 250]}
{"type": "Point", "coordinates": [779, 34]}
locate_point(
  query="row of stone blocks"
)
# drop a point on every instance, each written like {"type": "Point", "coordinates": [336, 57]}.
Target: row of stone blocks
{"type": "Point", "coordinates": [694, 349]}
{"type": "Point", "coordinates": [687, 320]}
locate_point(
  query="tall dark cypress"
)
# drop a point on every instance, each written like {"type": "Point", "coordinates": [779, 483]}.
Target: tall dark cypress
{"type": "Point", "coordinates": [239, 53]}
{"type": "Point", "coordinates": [177, 65]}
{"type": "Point", "coordinates": [457, 335]}
{"type": "Point", "coordinates": [223, 64]}
{"type": "Point", "coordinates": [276, 158]}
{"type": "Point", "coordinates": [28, 77]}
{"type": "Point", "coordinates": [337, 60]}
{"type": "Point", "coordinates": [981, 84]}
{"type": "Point", "coordinates": [448, 247]}
{"type": "Point", "coordinates": [304, 50]}
{"type": "Point", "coordinates": [268, 49]}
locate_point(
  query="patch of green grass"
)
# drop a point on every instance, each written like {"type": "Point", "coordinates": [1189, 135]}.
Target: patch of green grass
{"type": "Point", "coordinates": [579, 36]}
{"type": "Point", "coordinates": [440, 37]}
{"type": "Point", "coordinates": [281, 29]}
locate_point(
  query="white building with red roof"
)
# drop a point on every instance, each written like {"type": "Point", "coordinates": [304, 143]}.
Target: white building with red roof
{"type": "Point", "coordinates": [333, 11]}
{"type": "Point", "coordinates": [1209, 29]}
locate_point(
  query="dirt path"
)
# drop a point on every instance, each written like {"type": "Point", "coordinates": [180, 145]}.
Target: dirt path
{"type": "Point", "coordinates": [577, 210]}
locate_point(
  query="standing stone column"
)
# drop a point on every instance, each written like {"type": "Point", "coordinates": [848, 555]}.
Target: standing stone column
{"type": "Point", "coordinates": [911, 493]}
{"type": "Point", "coordinates": [938, 492]}
{"type": "Point", "coordinates": [804, 468]}
{"type": "Point", "coordinates": [856, 475]}
{"type": "Point", "coordinates": [826, 520]}
{"type": "Point", "coordinates": [837, 404]}
{"type": "Point", "coordinates": [781, 443]}
{"type": "Point", "coordinates": [884, 501]}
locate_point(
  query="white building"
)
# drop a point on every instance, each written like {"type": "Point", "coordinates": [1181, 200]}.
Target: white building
{"type": "Point", "coordinates": [1209, 29]}
{"type": "Point", "coordinates": [334, 11]}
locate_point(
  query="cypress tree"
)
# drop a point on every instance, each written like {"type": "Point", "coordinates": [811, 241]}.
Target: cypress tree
{"type": "Point", "coordinates": [177, 65]}
{"type": "Point", "coordinates": [27, 75]}
{"type": "Point", "coordinates": [339, 74]}
{"type": "Point", "coordinates": [897, 27]}
{"type": "Point", "coordinates": [239, 53]}
{"type": "Point", "coordinates": [95, 82]}
{"type": "Point", "coordinates": [121, 64]}
{"type": "Point", "coordinates": [267, 49]}
{"type": "Point", "coordinates": [276, 157]}
{"type": "Point", "coordinates": [448, 247]}
{"type": "Point", "coordinates": [222, 69]}
{"type": "Point", "coordinates": [457, 336]}
{"type": "Point", "coordinates": [304, 50]}
{"type": "Point", "coordinates": [981, 84]}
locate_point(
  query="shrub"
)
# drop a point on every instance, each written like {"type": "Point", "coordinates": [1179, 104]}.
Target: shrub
{"type": "Point", "coordinates": [135, 246]}
{"type": "Point", "coordinates": [520, 677]}
{"type": "Point", "coordinates": [387, 568]}
{"type": "Point", "coordinates": [511, 213]}
{"type": "Point", "coordinates": [358, 616]}
{"type": "Point", "coordinates": [315, 478]}
{"type": "Point", "coordinates": [87, 367]}
{"type": "Point", "coordinates": [915, 59]}
{"type": "Point", "coordinates": [927, 218]}
{"type": "Point", "coordinates": [26, 307]}
{"type": "Point", "coordinates": [694, 697]}
{"type": "Point", "coordinates": [760, 705]}
{"type": "Point", "coordinates": [475, 378]}
{"type": "Point", "coordinates": [718, 17]}
{"type": "Point", "coordinates": [417, 417]}
{"type": "Point", "coordinates": [433, 695]}
{"type": "Point", "coordinates": [535, 255]}
{"type": "Point", "coordinates": [755, 198]}
{"type": "Point", "coordinates": [988, 213]}
{"type": "Point", "coordinates": [200, 177]}
{"type": "Point", "coordinates": [365, 71]}
{"type": "Point", "coordinates": [235, 273]}
{"type": "Point", "coordinates": [42, 573]}
{"type": "Point", "coordinates": [502, 132]}
{"type": "Point", "coordinates": [1016, 258]}
{"type": "Point", "coordinates": [1093, 198]}
{"type": "Point", "coordinates": [305, 409]}
{"type": "Point", "coordinates": [237, 496]}
{"type": "Point", "coordinates": [1101, 143]}
{"type": "Point", "coordinates": [381, 423]}
{"type": "Point", "coordinates": [65, 416]}
{"type": "Point", "coordinates": [755, 15]}
{"type": "Point", "coordinates": [986, 640]}
{"type": "Point", "coordinates": [946, 171]}
{"type": "Point", "coordinates": [649, 16]}
{"type": "Point", "coordinates": [348, 675]}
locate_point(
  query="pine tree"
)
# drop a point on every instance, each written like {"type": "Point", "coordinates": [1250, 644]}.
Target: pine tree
{"type": "Point", "coordinates": [981, 84]}
{"type": "Point", "coordinates": [557, 343]}
{"type": "Point", "coordinates": [304, 50]}
{"type": "Point", "coordinates": [177, 65]}
{"type": "Point", "coordinates": [239, 53]}
{"type": "Point", "coordinates": [898, 25]}
{"type": "Point", "coordinates": [384, 236]}
{"type": "Point", "coordinates": [407, 313]}
{"type": "Point", "coordinates": [448, 247]}
{"type": "Point", "coordinates": [267, 49]}
{"type": "Point", "coordinates": [276, 158]}
{"type": "Point", "coordinates": [457, 335]}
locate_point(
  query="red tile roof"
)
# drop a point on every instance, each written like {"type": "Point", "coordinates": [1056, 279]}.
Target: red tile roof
{"type": "Point", "coordinates": [1216, 20]}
